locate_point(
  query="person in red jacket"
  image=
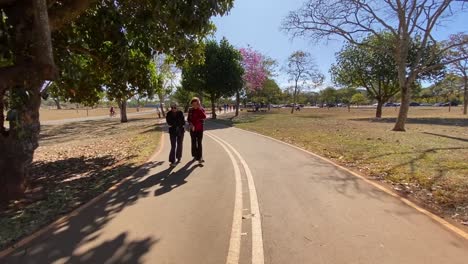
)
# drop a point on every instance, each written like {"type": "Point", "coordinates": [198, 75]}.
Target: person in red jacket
{"type": "Point", "coordinates": [196, 118]}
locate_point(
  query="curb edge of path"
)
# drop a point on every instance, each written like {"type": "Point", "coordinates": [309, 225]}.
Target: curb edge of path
{"type": "Point", "coordinates": [26, 240]}
{"type": "Point", "coordinates": [432, 216]}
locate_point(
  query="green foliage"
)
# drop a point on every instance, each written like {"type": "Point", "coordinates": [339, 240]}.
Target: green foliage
{"type": "Point", "coordinates": [358, 99]}
{"type": "Point", "coordinates": [219, 75]}
{"type": "Point", "coordinates": [269, 93]}
{"type": "Point", "coordinates": [345, 95]}
{"type": "Point", "coordinates": [373, 69]}
{"type": "Point", "coordinates": [110, 48]}
{"type": "Point", "coordinates": [182, 97]}
{"type": "Point", "coordinates": [329, 95]}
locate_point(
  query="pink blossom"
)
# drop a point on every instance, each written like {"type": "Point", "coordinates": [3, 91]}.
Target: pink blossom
{"type": "Point", "coordinates": [255, 74]}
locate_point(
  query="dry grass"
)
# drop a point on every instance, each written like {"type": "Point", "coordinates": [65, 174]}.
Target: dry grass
{"type": "Point", "coordinates": [429, 162]}
{"type": "Point", "coordinates": [54, 114]}
{"type": "Point", "coordinates": [74, 163]}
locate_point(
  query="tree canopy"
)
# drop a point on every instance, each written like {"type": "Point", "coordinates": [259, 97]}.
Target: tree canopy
{"type": "Point", "coordinates": [220, 74]}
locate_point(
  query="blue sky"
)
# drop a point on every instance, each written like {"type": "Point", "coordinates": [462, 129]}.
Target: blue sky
{"type": "Point", "coordinates": [257, 23]}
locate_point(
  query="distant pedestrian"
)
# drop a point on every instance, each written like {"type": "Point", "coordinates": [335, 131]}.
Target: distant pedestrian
{"type": "Point", "coordinates": [176, 121]}
{"type": "Point", "coordinates": [112, 111]}
{"type": "Point", "coordinates": [196, 118]}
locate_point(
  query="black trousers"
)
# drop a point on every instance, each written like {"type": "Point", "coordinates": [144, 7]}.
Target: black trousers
{"type": "Point", "coordinates": [197, 147]}
{"type": "Point", "coordinates": [177, 141]}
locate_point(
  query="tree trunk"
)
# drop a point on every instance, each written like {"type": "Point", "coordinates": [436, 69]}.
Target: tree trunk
{"type": "Point", "coordinates": [237, 102]}
{"type": "Point", "coordinates": [401, 58]}
{"type": "Point", "coordinates": [378, 113]}
{"type": "Point", "coordinates": [123, 110]}
{"type": "Point", "coordinates": [294, 100]}
{"type": "Point", "coordinates": [349, 108]}
{"type": "Point", "coordinates": [57, 103]}
{"type": "Point", "coordinates": [161, 103]}
{"type": "Point", "coordinates": [404, 108]}
{"type": "Point", "coordinates": [18, 146]}
{"type": "Point", "coordinates": [2, 116]}
{"type": "Point", "coordinates": [163, 112]}
{"type": "Point", "coordinates": [465, 96]}
{"type": "Point", "coordinates": [138, 105]}
{"type": "Point", "coordinates": [213, 107]}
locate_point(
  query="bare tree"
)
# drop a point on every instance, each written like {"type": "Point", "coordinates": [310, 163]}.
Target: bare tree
{"type": "Point", "coordinates": [460, 67]}
{"type": "Point", "coordinates": [302, 69]}
{"type": "Point", "coordinates": [404, 19]}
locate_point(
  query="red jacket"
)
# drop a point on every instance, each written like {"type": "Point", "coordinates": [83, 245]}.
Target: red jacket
{"type": "Point", "coordinates": [196, 118]}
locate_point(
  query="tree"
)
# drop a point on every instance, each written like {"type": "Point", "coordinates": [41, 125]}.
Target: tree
{"type": "Point", "coordinates": [166, 74]}
{"type": "Point", "coordinates": [375, 70]}
{"type": "Point", "coordinates": [27, 60]}
{"type": "Point", "coordinates": [345, 96]}
{"type": "Point", "coordinates": [183, 97]}
{"type": "Point", "coordinates": [329, 96]}
{"type": "Point", "coordinates": [449, 88]}
{"type": "Point", "coordinates": [219, 75]}
{"type": "Point", "coordinates": [302, 70]}
{"type": "Point", "coordinates": [460, 67]}
{"type": "Point", "coordinates": [255, 73]}
{"type": "Point", "coordinates": [355, 19]}
{"type": "Point", "coordinates": [358, 99]}
{"type": "Point", "coordinates": [270, 93]}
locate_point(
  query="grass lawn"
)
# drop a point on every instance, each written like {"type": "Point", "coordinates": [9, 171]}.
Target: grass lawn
{"type": "Point", "coordinates": [429, 162]}
{"type": "Point", "coordinates": [74, 163]}
{"type": "Point", "coordinates": [54, 114]}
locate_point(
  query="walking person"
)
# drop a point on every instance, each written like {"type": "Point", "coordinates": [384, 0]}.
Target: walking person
{"type": "Point", "coordinates": [176, 121]}
{"type": "Point", "coordinates": [196, 118]}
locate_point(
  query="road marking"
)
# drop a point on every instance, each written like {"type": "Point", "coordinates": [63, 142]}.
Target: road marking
{"type": "Point", "coordinates": [236, 230]}
{"type": "Point", "coordinates": [257, 237]}
{"type": "Point", "coordinates": [434, 217]}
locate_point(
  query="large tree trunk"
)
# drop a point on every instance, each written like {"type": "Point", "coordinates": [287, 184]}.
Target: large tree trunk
{"type": "Point", "coordinates": [378, 113]}
{"type": "Point", "coordinates": [465, 96]}
{"type": "Point", "coordinates": [404, 108]}
{"type": "Point", "coordinates": [123, 110]}
{"type": "Point", "coordinates": [213, 107]}
{"type": "Point", "coordinates": [237, 102]}
{"type": "Point", "coordinates": [2, 108]}
{"type": "Point", "coordinates": [18, 145]}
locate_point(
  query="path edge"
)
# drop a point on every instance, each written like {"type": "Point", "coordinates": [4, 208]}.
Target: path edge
{"type": "Point", "coordinates": [26, 240]}
{"type": "Point", "coordinates": [447, 225]}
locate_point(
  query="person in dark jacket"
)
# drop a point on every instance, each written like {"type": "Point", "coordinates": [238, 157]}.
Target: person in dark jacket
{"type": "Point", "coordinates": [176, 121]}
{"type": "Point", "coordinates": [196, 118]}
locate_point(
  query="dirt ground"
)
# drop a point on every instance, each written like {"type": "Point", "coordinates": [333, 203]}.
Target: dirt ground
{"type": "Point", "coordinates": [54, 114]}
{"type": "Point", "coordinates": [428, 163]}
{"type": "Point", "coordinates": [74, 163]}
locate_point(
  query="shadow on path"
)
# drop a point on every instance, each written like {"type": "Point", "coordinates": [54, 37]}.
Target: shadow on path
{"type": "Point", "coordinates": [69, 242]}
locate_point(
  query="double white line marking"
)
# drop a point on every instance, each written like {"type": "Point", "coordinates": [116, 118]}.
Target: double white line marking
{"type": "Point", "coordinates": [235, 241]}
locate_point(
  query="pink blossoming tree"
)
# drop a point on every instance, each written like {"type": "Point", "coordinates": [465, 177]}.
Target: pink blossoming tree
{"type": "Point", "coordinates": [255, 73]}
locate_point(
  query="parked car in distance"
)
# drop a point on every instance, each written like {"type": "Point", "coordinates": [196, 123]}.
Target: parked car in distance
{"type": "Point", "coordinates": [389, 104]}
{"type": "Point", "coordinates": [439, 104]}
{"type": "Point", "coordinates": [425, 104]}
{"type": "Point", "coordinates": [414, 104]}
{"type": "Point", "coordinates": [450, 104]}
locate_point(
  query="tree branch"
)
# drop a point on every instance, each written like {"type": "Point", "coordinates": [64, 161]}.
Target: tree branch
{"type": "Point", "coordinates": [67, 12]}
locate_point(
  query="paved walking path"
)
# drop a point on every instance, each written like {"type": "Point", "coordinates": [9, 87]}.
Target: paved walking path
{"type": "Point", "coordinates": [255, 201]}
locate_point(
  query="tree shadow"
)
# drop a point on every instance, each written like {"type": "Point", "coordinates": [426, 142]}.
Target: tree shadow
{"type": "Point", "coordinates": [445, 136]}
{"type": "Point", "coordinates": [61, 242]}
{"type": "Point", "coordinates": [62, 133]}
{"type": "Point", "coordinates": [349, 185]}
{"type": "Point", "coordinates": [460, 122]}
